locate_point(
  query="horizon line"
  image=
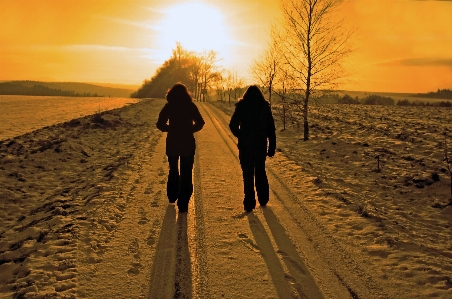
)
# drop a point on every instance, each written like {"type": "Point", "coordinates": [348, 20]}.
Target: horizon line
{"type": "Point", "coordinates": [140, 84]}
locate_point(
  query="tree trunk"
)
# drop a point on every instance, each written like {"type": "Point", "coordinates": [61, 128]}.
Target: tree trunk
{"type": "Point", "coordinates": [284, 114]}
{"type": "Point", "coordinates": [308, 77]}
{"type": "Point", "coordinates": [270, 94]}
{"type": "Point", "coordinates": [305, 118]}
{"type": "Point", "coordinates": [306, 131]}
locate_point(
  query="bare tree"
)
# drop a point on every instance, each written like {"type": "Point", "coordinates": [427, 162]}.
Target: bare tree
{"type": "Point", "coordinates": [195, 69]}
{"type": "Point", "coordinates": [229, 79]}
{"type": "Point", "coordinates": [283, 84]}
{"type": "Point", "coordinates": [238, 84]}
{"type": "Point", "coordinates": [315, 43]}
{"type": "Point", "coordinates": [265, 68]}
{"type": "Point", "coordinates": [178, 54]}
{"type": "Point", "coordinates": [219, 87]}
{"type": "Point", "coordinates": [208, 72]}
{"type": "Point", "coordinates": [448, 161]}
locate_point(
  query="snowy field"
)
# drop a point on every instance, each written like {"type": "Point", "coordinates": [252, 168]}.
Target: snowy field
{"type": "Point", "coordinates": [84, 214]}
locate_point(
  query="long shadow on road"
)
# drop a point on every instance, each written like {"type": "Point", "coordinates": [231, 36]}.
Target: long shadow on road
{"type": "Point", "coordinates": [171, 269]}
{"type": "Point", "coordinates": [301, 278]}
{"type": "Point", "coordinates": [183, 283]}
{"type": "Point", "coordinates": [275, 268]}
{"type": "Point", "coordinates": [164, 265]}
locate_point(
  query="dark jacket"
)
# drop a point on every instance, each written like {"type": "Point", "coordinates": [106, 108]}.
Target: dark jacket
{"type": "Point", "coordinates": [252, 123]}
{"type": "Point", "coordinates": [181, 120]}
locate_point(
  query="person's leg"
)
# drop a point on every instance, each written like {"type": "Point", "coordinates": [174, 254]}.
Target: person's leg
{"type": "Point", "coordinates": [262, 188]}
{"type": "Point", "coordinates": [186, 182]}
{"type": "Point", "coordinates": [247, 164]}
{"type": "Point", "coordinates": [172, 186]}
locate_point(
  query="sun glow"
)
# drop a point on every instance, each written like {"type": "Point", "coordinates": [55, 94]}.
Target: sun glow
{"type": "Point", "coordinates": [196, 26]}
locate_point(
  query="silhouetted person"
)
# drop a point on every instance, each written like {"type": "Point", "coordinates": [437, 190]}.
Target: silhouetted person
{"type": "Point", "coordinates": [252, 123]}
{"type": "Point", "coordinates": [181, 119]}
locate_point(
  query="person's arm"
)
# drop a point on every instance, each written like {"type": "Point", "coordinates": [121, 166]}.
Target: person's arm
{"type": "Point", "coordinates": [163, 119]}
{"type": "Point", "coordinates": [234, 123]}
{"type": "Point", "coordinates": [271, 134]}
{"type": "Point", "coordinates": [199, 121]}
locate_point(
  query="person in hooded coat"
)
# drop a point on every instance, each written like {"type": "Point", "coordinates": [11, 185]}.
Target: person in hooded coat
{"type": "Point", "coordinates": [253, 124]}
{"type": "Point", "coordinates": [181, 119]}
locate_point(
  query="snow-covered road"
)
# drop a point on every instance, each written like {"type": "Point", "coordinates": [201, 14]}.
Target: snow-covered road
{"type": "Point", "coordinates": [94, 220]}
{"type": "Point", "coordinates": [216, 250]}
{"type": "Point", "coordinates": [84, 214]}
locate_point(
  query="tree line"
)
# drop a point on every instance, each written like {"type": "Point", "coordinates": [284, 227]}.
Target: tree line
{"type": "Point", "coordinates": [200, 72]}
{"type": "Point", "coordinates": [439, 94]}
{"type": "Point", "coordinates": [368, 100]}
{"type": "Point", "coordinates": [417, 103]}
{"type": "Point", "coordinates": [14, 88]}
{"type": "Point", "coordinates": [380, 100]}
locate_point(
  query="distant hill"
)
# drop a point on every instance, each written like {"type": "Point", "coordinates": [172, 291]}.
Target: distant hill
{"type": "Point", "coordinates": [131, 87]}
{"type": "Point", "coordinates": [26, 87]}
{"type": "Point", "coordinates": [14, 88]}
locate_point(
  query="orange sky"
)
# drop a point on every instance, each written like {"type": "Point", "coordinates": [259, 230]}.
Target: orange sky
{"type": "Point", "coordinates": [401, 45]}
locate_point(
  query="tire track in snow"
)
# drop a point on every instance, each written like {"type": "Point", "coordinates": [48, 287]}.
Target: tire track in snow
{"type": "Point", "coordinates": [227, 137]}
{"type": "Point", "coordinates": [196, 237]}
{"type": "Point", "coordinates": [179, 269]}
{"type": "Point", "coordinates": [230, 248]}
{"type": "Point", "coordinates": [321, 250]}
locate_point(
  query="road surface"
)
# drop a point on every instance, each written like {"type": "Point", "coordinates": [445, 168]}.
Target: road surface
{"type": "Point", "coordinates": [216, 250]}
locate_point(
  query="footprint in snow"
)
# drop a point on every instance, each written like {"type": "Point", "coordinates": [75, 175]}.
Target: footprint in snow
{"type": "Point", "coordinates": [248, 242]}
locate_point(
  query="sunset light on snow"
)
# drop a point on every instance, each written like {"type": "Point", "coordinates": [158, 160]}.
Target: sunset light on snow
{"type": "Point", "coordinates": [225, 149]}
{"type": "Point", "coordinates": [402, 46]}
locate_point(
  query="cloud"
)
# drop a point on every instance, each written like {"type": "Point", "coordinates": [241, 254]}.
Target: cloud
{"type": "Point", "coordinates": [94, 48]}
{"type": "Point", "coordinates": [77, 48]}
{"type": "Point", "coordinates": [419, 61]}
{"type": "Point", "coordinates": [138, 24]}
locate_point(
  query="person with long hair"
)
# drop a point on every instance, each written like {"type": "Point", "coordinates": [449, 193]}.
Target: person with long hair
{"type": "Point", "coordinates": [181, 119]}
{"type": "Point", "coordinates": [253, 124]}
